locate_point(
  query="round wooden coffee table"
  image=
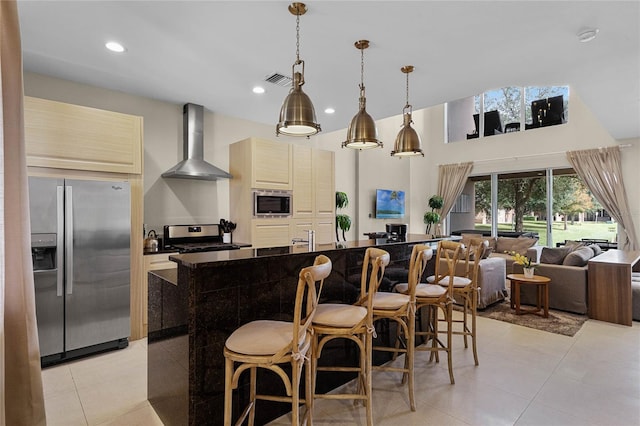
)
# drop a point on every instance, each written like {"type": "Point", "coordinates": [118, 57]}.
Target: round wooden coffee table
{"type": "Point", "coordinates": [542, 291]}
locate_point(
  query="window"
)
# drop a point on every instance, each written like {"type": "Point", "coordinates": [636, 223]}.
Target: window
{"type": "Point", "coordinates": [562, 210]}
{"type": "Point", "coordinates": [506, 110]}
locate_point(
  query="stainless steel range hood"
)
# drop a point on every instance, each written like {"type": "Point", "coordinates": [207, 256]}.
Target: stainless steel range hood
{"type": "Point", "coordinates": [193, 166]}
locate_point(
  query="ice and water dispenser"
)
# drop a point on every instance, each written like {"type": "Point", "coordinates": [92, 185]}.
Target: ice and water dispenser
{"type": "Point", "coordinates": [43, 251]}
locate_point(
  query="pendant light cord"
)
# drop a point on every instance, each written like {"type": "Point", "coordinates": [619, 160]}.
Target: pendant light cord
{"type": "Point", "coordinates": [297, 38]}
{"type": "Point", "coordinates": [407, 105]}
{"type": "Point", "coordinates": [362, 72]}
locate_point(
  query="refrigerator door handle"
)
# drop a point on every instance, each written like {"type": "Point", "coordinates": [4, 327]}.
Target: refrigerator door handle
{"type": "Point", "coordinates": [60, 240]}
{"type": "Point", "coordinates": [68, 249]}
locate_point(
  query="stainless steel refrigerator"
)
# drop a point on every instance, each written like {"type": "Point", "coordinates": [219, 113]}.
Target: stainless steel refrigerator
{"type": "Point", "coordinates": [80, 247]}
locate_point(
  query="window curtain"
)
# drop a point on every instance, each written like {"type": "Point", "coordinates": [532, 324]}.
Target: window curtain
{"type": "Point", "coordinates": [451, 181]}
{"type": "Point", "coordinates": [601, 170]}
{"type": "Point", "coordinates": [22, 395]}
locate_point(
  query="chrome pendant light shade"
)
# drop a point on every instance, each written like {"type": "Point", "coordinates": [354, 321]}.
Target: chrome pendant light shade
{"type": "Point", "coordinates": [408, 141]}
{"type": "Point", "coordinates": [297, 115]}
{"type": "Point", "coordinates": [362, 132]}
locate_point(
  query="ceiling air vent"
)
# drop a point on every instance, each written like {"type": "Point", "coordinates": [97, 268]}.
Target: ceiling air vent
{"type": "Point", "coordinates": [279, 79]}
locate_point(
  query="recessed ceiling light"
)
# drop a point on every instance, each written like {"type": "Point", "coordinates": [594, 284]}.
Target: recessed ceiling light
{"type": "Point", "coordinates": [258, 89]}
{"type": "Point", "coordinates": [114, 46]}
{"type": "Point", "coordinates": [588, 35]}
{"type": "Point", "coordinates": [329, 110]}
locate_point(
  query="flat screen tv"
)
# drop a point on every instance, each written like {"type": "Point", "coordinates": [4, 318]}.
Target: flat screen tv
{"type": "Point", "coordinates": [389, 204]}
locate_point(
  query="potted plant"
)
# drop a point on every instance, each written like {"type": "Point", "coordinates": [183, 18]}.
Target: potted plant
{"type": "Point", "coordinates": [227, 228]}
{"type": "Point", "coordinates": [343, 221]}
{"type": "Point", "coordinates": [430, 217]}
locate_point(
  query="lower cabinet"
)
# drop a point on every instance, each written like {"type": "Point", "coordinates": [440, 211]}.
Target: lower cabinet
{"type": "Point", "coordinates": [280, 232]}
{"type": "Point", "coordinates": [270, 233]}
{"type": "Point", "coordinates": [153, 262]}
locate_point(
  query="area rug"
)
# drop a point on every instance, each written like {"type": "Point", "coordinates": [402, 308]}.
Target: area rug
{"type": "Point", "coordinates": [559, 322]}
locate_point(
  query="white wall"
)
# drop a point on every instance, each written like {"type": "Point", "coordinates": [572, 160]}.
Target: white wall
{"type": "Point", "coordinates": [358, 173]}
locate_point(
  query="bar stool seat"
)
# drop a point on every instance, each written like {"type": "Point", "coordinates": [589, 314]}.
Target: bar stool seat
{"type": "Point", "coordinates": [339, 315]}
{"type": "Point", "coordinates": [390, 300]}
{"type": "Point", "coordinates": [423, 290]}
{"type": "Point", "coordinates": [263, 337]}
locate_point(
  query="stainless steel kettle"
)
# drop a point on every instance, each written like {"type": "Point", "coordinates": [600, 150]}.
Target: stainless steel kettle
{"type": "Point", "coordinates": [151, 242]}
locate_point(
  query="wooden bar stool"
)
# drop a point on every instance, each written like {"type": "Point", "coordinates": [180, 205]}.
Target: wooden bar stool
{"type": "Point", "coordinates": [353, 322]}
{"type": "Point", "coordinates": [438, 295]}
{"type": "Point", "coordinates": [465, 287]}
{"type": "Point", "coordinates": [267, 344]}
{"type": "Point", "coordinates": [401, 308]}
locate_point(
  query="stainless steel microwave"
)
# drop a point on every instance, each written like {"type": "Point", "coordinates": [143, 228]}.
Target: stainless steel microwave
{"type": "Point", "coordinates": [272, 203]}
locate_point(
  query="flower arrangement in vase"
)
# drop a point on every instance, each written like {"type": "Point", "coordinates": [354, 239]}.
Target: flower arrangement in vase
{"type": "Point", "coordinates": [527, 264]}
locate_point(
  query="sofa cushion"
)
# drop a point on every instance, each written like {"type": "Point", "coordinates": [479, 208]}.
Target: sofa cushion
{"type": "Point", "coordinates": [597, 250]}
{"type": "Point", "coordinates": [578, 257]}
{"type": "Point", "coordinates": [518, 245]}
{"type": "Point", "coordinates": [466, 238]}
{"type": "Point", "coordinates": [554, 256]}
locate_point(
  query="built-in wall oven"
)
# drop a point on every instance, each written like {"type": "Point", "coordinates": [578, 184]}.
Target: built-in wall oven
{"type": "Point", "coordinates": [272, 203]}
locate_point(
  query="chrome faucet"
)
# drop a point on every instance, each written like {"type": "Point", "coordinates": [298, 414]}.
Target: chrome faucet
{"type": "Point", "coordinates": [311, 240]}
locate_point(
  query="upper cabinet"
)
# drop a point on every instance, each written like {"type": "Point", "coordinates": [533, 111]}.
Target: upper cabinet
{"type": "Point", "coordinates": [66, 136]}
{"type": "Point", "coordinates": [263, 164]}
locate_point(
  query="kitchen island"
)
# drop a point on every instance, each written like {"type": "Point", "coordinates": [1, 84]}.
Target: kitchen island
{"type": "Point", "coordinates": [193, 310]}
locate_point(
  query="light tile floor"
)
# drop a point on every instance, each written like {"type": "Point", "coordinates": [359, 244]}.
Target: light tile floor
{"type": "Point", "coordinates": [525, 377]}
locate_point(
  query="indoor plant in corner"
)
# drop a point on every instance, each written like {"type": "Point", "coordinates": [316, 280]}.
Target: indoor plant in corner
{"type": "Point", "coordinates": [343, 221]}
{"type": "Point", "coordinates": [430, 217]}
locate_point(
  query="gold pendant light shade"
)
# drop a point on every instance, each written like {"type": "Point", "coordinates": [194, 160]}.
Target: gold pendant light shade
{"type": "Point", "coordinates": [297, 115]}
{"type": "Point", "coordinates": [408, 141]}
{"type": "Point", "coordinates": [362, 132]}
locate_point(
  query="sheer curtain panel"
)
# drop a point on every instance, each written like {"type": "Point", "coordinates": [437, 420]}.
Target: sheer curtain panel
{"type": "Point", "coordinates": [600, 169]}
{"type": "Point", "coordinates": [451, 181]}
{"type": "Point", "coordinates": [22, 396]}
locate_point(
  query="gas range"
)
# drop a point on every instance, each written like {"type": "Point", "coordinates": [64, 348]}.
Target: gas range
{"type": "Point", "coordinates": [195, 238]}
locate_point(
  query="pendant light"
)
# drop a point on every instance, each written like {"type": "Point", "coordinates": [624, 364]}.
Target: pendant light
{"type": "Point", "coordinates": [362, 133]}
{"type": "Point", "coordinates": [408, 141]}
{"type": "Point", "coordinates": [297, 116]}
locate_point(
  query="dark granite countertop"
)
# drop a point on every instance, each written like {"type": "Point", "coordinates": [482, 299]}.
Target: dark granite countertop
{"type": "Point", "coordinates": [194, 260]}
{"type": "Point", "coordinates": [169, 275]}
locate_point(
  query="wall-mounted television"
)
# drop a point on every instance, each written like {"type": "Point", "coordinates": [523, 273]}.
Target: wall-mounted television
{"type": "Point", "coordinates": [389, 204]}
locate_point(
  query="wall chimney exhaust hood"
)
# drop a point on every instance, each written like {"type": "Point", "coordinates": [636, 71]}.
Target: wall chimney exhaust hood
{"type": "Point", "coordinates": [193, 166]}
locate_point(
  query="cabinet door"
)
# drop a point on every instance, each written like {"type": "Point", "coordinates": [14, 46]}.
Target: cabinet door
{"type": "Point", "coordinates": [270, 233]}
{"type": "Point", "coordinates": [303, 188]}
{"type": "Point", "coordinates": [66, 136]}
{"type": "Point", "coordinates": [325, 230]}
{"type": "Point", "coordinates": [299, 228]}
{"type": "Point", "coordinates": [324, 171]}
{"type": "Point", "coordinates": [271, 165]}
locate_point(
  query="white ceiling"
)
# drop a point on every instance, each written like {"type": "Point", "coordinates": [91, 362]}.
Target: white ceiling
{"type": "Point", "coordinates": [213, 52]}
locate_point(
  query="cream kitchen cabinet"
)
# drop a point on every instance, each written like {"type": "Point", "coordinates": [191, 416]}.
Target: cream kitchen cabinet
{"type": "Point", "coordinates": [65, 136]}
{"type": "Point", "coordinates": [261, 164]}
{"type": "Point", "coordinates": [308, 173]}
{"type": "Point", "coordinates": [270, 233]}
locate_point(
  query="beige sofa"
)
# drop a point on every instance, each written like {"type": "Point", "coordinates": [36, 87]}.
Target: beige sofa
{"type": "Point", "coordinates": [567, 267]}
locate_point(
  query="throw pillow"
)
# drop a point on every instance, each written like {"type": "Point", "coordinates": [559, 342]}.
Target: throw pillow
{"type": "Point", "coordinates": [574, 244]}
{"type": "Point", "coordinates": [554, 256]}
{"type": "Point", "coordinates": [578, 257]}
{"type": "Point", "coordinates": [467, 237]}
{"type": "Point", "coordinates": [597, 250]}
{"type": "Point", "coordinates": [518, 245]}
